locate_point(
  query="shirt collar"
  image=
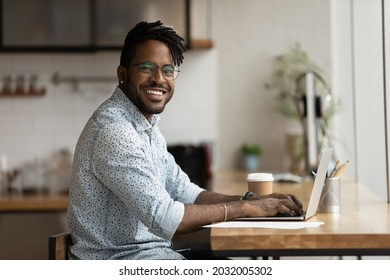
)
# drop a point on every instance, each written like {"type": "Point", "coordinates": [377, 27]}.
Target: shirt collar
{"type": "Point", "coordinates": [139, 120]}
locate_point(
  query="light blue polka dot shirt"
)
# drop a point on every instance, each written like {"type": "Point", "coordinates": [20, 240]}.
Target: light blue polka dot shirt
{"type": "Point", "coordinates": [127, 193]}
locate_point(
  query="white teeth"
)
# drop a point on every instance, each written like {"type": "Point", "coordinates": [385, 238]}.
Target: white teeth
{"type": "Point", "coordinates": [154, 92]}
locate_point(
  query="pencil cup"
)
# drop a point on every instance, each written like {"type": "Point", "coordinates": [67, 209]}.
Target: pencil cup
{"type": "Point", "coordinates": [330, 196]}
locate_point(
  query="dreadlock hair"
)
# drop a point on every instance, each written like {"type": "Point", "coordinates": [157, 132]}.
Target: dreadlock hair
{"type": "Point", "coordinates": [152, 31]}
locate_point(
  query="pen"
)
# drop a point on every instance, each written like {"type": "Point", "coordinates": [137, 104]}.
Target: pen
{"type": "Point", "coordinates": [341, 169]}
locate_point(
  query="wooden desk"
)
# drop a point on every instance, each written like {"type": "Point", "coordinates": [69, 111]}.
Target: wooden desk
{"type": "Point", "coordinates": [361, 228]}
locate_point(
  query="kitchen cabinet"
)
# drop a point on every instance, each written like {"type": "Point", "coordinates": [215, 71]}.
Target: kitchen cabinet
{"type": "Point", "coordinates": [26, 223]}
{"type": "Point", "coordinates": [85, 25]}
{"type": "Point", "coordinates": [46, 25]}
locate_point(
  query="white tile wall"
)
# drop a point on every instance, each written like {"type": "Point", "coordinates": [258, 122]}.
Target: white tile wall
{"type": "Point", "coordinates": [36, 127]}
{"type": "Point", "coordinates": [220, 95]}
{"type": "Point", "coordinates": [249, 35]}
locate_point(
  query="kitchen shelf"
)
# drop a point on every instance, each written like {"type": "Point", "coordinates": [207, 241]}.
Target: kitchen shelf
{"type": "Point", "coordinates": [97, 24]}
{"type": "Point", "coordinates": [201, 44]}
{"type": "Point", "coordinates": [76, 80]}
{"type": "Point", "coordinates": [21, 95]}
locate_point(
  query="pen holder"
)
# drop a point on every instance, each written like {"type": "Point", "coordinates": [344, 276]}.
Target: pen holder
{"type": "Point", "coordinates": [330, 196]}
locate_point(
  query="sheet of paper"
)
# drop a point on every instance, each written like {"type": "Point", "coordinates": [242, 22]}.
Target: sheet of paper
{"type": "Point", "coordinates": [275, 225]}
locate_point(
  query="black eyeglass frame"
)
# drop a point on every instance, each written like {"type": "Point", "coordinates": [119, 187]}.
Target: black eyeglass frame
{"type": "Point", "coordinates": [176, 70]}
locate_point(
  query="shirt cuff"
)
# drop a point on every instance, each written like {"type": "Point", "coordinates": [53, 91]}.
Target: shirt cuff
{"type": "Point", "coordinates": [168, 218]}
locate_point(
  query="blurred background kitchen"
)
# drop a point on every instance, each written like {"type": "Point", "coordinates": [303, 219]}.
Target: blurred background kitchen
{"type": "Point", "coordinates": [58, 62]}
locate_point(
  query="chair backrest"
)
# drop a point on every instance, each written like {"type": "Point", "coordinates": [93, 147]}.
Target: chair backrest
{"type": "Point", "coordinates": [59, 245]}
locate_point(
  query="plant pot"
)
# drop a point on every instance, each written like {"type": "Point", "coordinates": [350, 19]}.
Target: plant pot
{"type": "Point", "coordinates": [251, 162]}
{"type": "Point", "coordinates": [295, 152]}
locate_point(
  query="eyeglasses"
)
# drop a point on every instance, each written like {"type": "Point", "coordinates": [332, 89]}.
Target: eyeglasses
{"type": "Point", "coordinates": [169, 71]}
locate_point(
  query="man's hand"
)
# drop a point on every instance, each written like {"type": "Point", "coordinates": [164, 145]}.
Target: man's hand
{"type": "Point", "coordinates": [276, 204]}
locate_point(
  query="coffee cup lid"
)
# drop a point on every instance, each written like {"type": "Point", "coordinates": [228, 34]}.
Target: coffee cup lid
{"type": "Point", "coordinates": [260, 177]}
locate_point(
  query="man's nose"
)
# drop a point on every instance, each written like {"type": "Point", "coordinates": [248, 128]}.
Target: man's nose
{"type": "Point", "coordinates": [158, 76]}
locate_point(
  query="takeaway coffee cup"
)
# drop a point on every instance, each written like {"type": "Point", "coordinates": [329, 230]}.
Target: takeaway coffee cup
{"type": "Point", "coordinates": [260, 183]}
{"type": "Point", "coordinates": [330, 196]}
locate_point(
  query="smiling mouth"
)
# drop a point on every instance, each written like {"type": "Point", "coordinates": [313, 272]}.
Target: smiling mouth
{"type": "Point", "coordinates": [154, 92]}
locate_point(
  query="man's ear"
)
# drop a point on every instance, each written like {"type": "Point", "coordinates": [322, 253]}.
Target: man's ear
{"type": "Point", "coordinates": [122, 74]}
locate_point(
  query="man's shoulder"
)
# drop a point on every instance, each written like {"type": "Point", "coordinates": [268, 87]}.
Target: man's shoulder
{"type": "Point", "coordinates": [110, 113]}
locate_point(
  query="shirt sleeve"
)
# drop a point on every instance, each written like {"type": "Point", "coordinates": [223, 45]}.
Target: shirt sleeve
{"type": "Point", "coordinates": [123, 163]}
{"type": "Point", "coordinates": [179, 184]}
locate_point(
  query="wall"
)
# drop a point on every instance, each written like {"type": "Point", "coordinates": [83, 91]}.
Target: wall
{"type": "Point", "coordinates": [358, 65]}
{"type": "Point", "coordinates": [369, 95]}
{"type": "Point", "coordinates": [342, 77]}
{"type": "Point", "coordinates": [386, 12]}
{"type": "Point", "coordinates": [191, 116]}
{"type": "Point", "coordinates": [36, 127]}
{"type": "Point", "coordinates": [219, 98]}
{"type": "Point", "coordinates": [248, 35]}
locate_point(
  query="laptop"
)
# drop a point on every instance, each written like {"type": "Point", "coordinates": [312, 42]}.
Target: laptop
{"type": "Point", "coordinates": [312, 206]}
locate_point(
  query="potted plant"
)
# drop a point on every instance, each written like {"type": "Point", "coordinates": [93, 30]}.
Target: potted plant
{"type": "Point", "coordinates": [288, 81]}
{"type": "Point", "coordinates": [251, 155]}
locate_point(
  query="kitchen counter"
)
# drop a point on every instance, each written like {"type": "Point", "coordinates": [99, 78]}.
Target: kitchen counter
{"type": "Point", "coordinates": [33, 202]}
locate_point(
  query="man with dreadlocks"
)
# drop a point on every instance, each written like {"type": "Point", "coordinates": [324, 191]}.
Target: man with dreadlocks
{"type": "Point", "coordinates": [128, 197]}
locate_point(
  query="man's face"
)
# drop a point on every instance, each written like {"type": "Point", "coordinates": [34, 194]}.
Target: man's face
{"type": "Point", "coordinates": [149, 94]}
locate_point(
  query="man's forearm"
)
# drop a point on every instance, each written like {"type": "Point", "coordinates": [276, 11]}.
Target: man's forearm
{"type": "Point", "coordinates": [198, 215]}
{"type": "Point", "coordinates": [207, 197]}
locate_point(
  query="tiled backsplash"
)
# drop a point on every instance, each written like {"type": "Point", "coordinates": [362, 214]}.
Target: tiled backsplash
{"type": "Point", "coordinates": [34, 128]}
